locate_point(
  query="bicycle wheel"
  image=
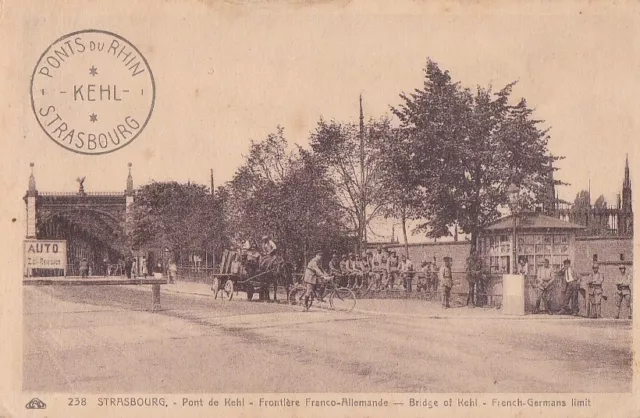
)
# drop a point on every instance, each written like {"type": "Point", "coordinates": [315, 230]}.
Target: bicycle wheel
{"type": "Point", "coordinates": [342, 299]}
{"type": "Point", "coordinates": [296, 296]}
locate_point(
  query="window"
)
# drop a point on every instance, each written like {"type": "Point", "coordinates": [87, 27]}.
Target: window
{"type": "Point", "coordinates": [534, 248]}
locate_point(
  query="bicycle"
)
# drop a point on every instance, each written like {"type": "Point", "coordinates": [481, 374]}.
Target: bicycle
{"type": "Point", "coordinates": [340, 298]}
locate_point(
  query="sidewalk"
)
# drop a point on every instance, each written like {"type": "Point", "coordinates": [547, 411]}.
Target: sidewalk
{"type": "Point", "coordinates": [396, 307]}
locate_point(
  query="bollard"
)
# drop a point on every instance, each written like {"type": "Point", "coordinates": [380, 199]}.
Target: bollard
{"type": "Point", "coordinates": [155, 294]}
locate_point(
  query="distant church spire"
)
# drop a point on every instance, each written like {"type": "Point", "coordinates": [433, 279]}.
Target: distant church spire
{"type": "Point", "coordinates": [625, 218]}
{"type": "Point", "coordinates": [627, 179]}
{"type": "Point", "coordinates": [626, 187]}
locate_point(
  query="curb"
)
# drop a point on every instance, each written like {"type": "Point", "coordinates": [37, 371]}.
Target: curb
{"type": "Point", "coordinates": [444, 315]}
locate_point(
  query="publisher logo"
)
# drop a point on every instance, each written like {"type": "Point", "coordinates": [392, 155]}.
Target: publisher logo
{"type": "Point", "coordinates": [35, 403]}
{"type": "Point", "coordinates": [92, 92]}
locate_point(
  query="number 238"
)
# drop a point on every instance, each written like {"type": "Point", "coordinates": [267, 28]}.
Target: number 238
{"type": "Point", "coordinates": [77, 401]}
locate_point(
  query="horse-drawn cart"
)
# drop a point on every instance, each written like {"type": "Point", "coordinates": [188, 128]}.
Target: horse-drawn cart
{"type": "Point", "coordinates": [236, 276]}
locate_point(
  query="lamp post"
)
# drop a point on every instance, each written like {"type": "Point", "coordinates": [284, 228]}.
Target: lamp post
{"type": "Point", "coordinates": [513, 192]}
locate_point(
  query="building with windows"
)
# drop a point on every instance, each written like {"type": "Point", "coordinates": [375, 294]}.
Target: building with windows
{"type": "Point", "coordinates": [539, 237]}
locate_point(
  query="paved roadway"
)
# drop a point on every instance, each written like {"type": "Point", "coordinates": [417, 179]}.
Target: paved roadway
{"type": "Point", "coordinates": [104, 339]}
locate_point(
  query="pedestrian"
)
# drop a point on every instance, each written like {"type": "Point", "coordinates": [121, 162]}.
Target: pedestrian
{"type": "Point", "coordinates": [623, 291]}
{"type": "Point", "coordinates": [406, 272]}
{"type": "Point", "coordinates": [446, 279]}
{"type": "Point", "coordinates": [128, 265]}
{"type": "Point", "coordinates": [84, 268]}
{"type": "Point", "coordinates": [545, 279]}
{"type": "Point", "coordinates": [134, 267]}
{"type": "Point", "coordinates": [105, 266]}
{"type": "Point", "coordinates": [144, 269]}
{"type": "Point", "coordinates": [571, 288]}
{"type": "Point", "coordinates": [423, 277]}
{"type": "Point", "coordinates": [523, 266]}
{"type": "Point", "coordinates": [596, 278]}
{"type": "Point", "coordinates": [173, 271]}
{"type": "Point", "coordinates": [434, 275]}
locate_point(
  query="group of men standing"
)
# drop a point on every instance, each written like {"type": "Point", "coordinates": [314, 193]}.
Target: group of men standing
{"type": "Point", "coordinates": [592, 291]}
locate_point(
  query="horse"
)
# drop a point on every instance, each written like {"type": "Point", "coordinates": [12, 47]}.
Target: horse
{"type": "Point", "coordinates": [280, 273]}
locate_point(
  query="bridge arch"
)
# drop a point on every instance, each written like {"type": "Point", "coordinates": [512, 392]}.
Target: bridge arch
{"type": "Point", "coordinates": [93, 224]}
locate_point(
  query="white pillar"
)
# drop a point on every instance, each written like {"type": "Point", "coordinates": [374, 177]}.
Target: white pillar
{"type": "Point", "coordinates": [513, 294]}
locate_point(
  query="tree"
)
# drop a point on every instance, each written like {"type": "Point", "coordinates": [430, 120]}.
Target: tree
{"type": "Point", "coordinates": [465, 149]}
{"type": "Point", "coordinates": [398, 199]}
{"type": "Point", "coordinates": [180, 217]}
{"type": "Point", "coordinates": [592, 216]}
{"type": "Point", "coordinates": [286, 195]}
{"type": "Point", "coordinates": [353, 170]}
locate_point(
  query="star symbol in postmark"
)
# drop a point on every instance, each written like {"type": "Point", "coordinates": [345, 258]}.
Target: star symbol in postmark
{"type": "Point", "coordinates": [93, 117]}
{"type": "Point", "coordinates": [93, 70]}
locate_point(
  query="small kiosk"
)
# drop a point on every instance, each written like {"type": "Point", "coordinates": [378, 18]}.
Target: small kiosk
{"type": "Point", "coordinates": [537, 237]}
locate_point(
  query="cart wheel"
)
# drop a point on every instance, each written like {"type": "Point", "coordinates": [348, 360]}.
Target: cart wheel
{"type": "Point", "coordinates": [249, 293]}
{"type": "Point", "coordinates": [228, 289]}
{"type": "Point", "coordinates": [215, 287]}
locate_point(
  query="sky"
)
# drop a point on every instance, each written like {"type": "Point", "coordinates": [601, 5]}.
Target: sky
{"type": "Point", "coordinates": [227, 74]}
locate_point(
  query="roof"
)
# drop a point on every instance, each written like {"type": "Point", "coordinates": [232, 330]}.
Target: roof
{"type": "Point", "coordinates": [532, 221]}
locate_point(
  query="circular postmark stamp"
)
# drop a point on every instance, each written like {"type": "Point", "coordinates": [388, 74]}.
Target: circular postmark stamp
{"type": "Point", "coordinates": [92, 92]}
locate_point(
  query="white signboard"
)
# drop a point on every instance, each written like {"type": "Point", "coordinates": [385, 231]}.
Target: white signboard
{"type": "Point", "coordinates": [45, 254]}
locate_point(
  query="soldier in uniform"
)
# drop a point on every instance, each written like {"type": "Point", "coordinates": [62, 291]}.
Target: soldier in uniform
{"type": "Point", "coordinates": [313, 275]}
{"type": "Point", "coordinates": [594, 285]}
{"type": "Point", "coordinates": [344, 271]}
{"type": "Point", "coordinates": [393, 264]}
{"type": "Point", "coordinates": [377, 272]}
{"type": "Point", "coordinates": [474, 275]}
{"type": "Point", "coordinates": [407, 272]}
{"type": "Point", "coordinates": [446, 279]}
{"type": "Point", "coordinates": [623, 291]}
{"type": "Point", "coordinates": [84, 268]}
{"type": "Point", "coordinates": [334, 265]}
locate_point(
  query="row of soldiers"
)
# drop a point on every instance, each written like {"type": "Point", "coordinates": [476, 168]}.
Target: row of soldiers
{"type": "Point", "coordinates": [382, 270]}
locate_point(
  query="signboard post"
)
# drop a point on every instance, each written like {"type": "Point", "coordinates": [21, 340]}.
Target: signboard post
{"type": "Point", "coordinates": [45, 254]}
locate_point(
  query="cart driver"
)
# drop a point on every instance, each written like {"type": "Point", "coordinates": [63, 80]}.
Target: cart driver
{"type": "Point", "coordinates": [269, 249]}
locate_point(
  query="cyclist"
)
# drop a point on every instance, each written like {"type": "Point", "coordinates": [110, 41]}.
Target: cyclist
{"type": "Point", "coordinates": [313, 275]}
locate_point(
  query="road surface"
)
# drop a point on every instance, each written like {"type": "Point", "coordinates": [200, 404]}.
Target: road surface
{"type": "Point", "coordinates": [99, 339]}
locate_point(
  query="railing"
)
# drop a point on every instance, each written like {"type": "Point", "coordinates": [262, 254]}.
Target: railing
{"type": "Point", "coordinates": [112, 194]}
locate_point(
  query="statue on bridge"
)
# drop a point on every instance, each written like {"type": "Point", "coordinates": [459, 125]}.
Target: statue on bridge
{"type": "Point", "coordinates": [80, 181]}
